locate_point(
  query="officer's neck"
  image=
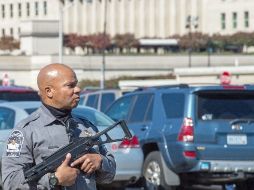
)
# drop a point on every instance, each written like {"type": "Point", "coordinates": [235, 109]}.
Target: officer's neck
{"type": "Point", "coordinates": [60, 114]}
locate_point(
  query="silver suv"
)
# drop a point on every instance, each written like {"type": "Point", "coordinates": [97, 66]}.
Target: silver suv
{"type": "Point", "coordinates": [100, 99]}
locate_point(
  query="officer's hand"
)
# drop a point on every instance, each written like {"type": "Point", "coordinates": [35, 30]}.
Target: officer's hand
{"type": "Point", "coordinates": [65, 174]}
{"type": "Point", "coordinates": [88, 163]}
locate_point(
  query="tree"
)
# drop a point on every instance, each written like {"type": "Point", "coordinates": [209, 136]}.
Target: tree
{"type": "Point", "coordinates": [83, 41]}
{"type": "Point", "coordinates": [220, 41]}
{"type": "Point", "coordinates": [9, 43]}
{"type": "Point", "coordinates": [71, 41]}
{"type": "Point", "coordinates": [241, 39]}
{"type": "Point", "coordinates": [196, 41]}
{"type": "Point", "coordinates": [125, 41]}
{"type": "Point", "coordinates": [100, 41]}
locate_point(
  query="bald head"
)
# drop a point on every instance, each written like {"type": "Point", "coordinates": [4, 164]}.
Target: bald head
{"type": "Point", "coordinates": [50, 73]}
{"type": "Point", "coordinates": [53, 80]}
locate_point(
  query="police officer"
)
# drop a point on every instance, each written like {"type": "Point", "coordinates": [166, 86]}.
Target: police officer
{"type": "Point", "coordinates": [48, 129]}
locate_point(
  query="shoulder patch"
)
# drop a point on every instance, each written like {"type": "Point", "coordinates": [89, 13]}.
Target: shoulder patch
{"type": "Point", "coordinates": [15, 142]}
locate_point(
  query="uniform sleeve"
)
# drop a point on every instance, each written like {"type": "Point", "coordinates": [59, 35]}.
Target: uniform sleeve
{"type": "Point", "coordinates": [15, 158]}
{"type": "Point", "coordinates": [107, 171]}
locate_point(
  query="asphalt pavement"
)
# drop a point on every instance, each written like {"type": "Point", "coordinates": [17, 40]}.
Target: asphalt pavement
{"type": "Point", "coordinates": [196, 187]}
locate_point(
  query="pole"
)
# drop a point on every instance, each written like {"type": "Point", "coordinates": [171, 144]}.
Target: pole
{"type": "Point", "coordinates": [102, 82]}
{"type": "Point", "coordinates": [60, 30]}
{"type": "Point", "coordinates": [190, 50]}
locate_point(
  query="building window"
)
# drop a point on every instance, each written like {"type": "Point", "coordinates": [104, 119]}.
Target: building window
{"type": "Point", "coordinates": [27, 9]}
{"type": "Point", "coordinates": [3, 11]}
{"type": "Point", "coordinates": [246, 19]}
{"type": "Point", "coordinates": [45, 7]}
{"type": "Point", "coordinates": [3, 32]}
{"type": "Point", "coordinates": [36, 7]}
{"type": "Point", "coordinates": [11, 10]}
{"type": "Point", "coordinates": [19, 31]}
{"type": "Point", "coordinates": [234, 20]}
{"type": "Point", "coordinates": [11, 31]}
{"type": "Point", "coordinates": [19, 10]}
{"type": "Point", "coordinates": [223, 21]}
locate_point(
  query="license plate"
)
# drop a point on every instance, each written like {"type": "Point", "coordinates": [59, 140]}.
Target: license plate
{"type": "Point", "coordinates": [237, 139]}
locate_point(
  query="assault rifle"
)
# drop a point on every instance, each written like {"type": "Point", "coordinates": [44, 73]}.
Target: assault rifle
{"type": "Point", "coordinates": [76, 148]}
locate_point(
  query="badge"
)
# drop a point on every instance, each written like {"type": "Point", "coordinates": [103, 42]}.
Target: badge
{"type": "Point", "coordinates": [86, 133]}
{"type": "Point", "coordinates": [14, 145]}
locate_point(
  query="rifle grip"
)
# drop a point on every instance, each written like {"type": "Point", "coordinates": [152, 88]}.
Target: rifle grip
{"type": "Point", "coordinates": [125, 129]}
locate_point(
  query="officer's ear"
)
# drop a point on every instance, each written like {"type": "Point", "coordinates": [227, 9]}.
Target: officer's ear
{"type": "Point", "coordinates": [49, 91]}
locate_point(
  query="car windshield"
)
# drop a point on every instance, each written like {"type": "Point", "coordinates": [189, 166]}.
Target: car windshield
{"type": "Point", "coordinates": [225, 105]}
{"type": "Point", "coordinates": [19, 96]}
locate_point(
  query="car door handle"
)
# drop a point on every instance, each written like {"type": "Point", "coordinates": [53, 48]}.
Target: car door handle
{"type": "Point", "coordinates": [144, 128]}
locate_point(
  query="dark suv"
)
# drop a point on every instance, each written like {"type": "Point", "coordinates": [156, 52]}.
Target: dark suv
{"type": "Point", "coordinates": [18, 93]}
{"type": "Point", "coordinates": [192, 134]}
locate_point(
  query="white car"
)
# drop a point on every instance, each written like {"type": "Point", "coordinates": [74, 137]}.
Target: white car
{"type": "Point", "coordinates": [127, 172]}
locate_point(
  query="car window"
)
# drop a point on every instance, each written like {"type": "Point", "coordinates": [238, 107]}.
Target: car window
{"type": "Point", "coordinates": [120, 109]}
{"type": "Point", "coordinates": [173, 104]}
{"type": "Point", "coordinates": [141, 108]}
{"type": "Point", "coordinates": [92, 101]}
{"type": "Point", "coordinates": [82, 100]}
{"type": "Point", "coordinates": [7, 117]}
{"type": "Point", "coordinates": [149, 113]}
{"type": "Point", "coordinates": [106, 100]}
{"type": "Point", "coordinates": [221, 105]}
{"type": "Point", "coordinates": [30, 110]}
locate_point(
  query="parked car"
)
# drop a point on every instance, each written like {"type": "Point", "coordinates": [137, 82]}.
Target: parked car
{"type": "Point", "coordinates": [192, 134]}
{"type": "Point", "coordinates": [18, 93]}
{"type": "Point", "coordinates": [99, 99]}
{"type": "Point", "coordinates": [12, 112]}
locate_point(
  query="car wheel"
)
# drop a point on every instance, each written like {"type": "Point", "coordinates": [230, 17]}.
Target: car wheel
{"type": "Point", "coordinates": [246, 185]}
{"type": "Point", "coordinates": [153, 173]}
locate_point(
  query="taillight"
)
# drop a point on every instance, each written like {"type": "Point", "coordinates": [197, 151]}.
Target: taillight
{"type": "Point", "coordinates": [186, 133]}
{"type": "Point", "coordinates": [130, 143]}
{"type": "Point", "coordinates": [190, 154]}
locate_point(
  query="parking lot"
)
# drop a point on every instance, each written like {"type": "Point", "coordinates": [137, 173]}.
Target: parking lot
{"type": "Point", "coordinates": [196, 187]}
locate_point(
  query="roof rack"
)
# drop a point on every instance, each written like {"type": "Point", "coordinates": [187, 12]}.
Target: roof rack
{"type": "Point", "coordinates": [181, 85]}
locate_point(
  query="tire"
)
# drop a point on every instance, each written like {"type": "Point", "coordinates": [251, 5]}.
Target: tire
{"type": "Point", "coordinates": [153, 173]}
{"type": "Point", "coordinates": [246, 185]}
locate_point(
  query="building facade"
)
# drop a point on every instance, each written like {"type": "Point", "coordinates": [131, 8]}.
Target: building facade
{"type": "Point", "coordinates": [144, 18]}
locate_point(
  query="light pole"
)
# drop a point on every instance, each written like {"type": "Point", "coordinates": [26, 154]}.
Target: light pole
{"type": "Point", "coordinates": [209, 49]}
{"type": "Point", "coordinates": [102, 82]}
{"type": "Point", "coordinates": [60, 35]}
{"type": "Point", "coordinates": [62, 9]}
{"type": "Point", "coordinates": [191, 22]}
{"type": "Point", "coordinates": [60, 30]}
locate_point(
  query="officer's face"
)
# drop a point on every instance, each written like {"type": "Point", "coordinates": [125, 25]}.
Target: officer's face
{"type": "Point", "coordinates": [65, 90]}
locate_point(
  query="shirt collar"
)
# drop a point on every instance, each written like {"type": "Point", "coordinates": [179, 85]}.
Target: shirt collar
{"type": "Point", "coordinates": [47, 117]}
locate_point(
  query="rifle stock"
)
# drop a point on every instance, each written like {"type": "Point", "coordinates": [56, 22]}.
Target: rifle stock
{"type": "Point", "coordinates": [76, 148]}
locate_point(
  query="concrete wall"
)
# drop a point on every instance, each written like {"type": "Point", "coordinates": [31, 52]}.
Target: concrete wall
{"type": "Point", "coordinates": [24, 69]}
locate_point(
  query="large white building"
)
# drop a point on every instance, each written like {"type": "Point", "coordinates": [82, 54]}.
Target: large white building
{"type": "Point", "coordinates": [144, 18]}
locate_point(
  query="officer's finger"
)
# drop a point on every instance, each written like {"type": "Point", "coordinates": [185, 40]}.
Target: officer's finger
{"type": "Point", "coordinates": [67, 159]}
{"type": "Point", "coordinates": [91, 170]}
{"type": "Point", "coordinates": [86, 164]}
{"type": "Point", "coordinates": [81, 160]}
